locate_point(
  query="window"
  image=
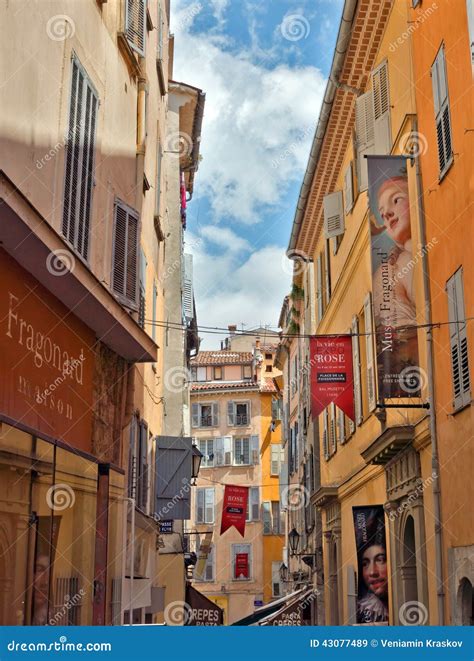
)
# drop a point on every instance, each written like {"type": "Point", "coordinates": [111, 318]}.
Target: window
{"type": "Point", "coordinates": [125, 253]}
{"type": "Point", "coordinates": [277, 405]}
{"type": "Point", "coordinates": [201, 374]}
{"type": "Point", "coordinates": [223, 451]}
{"type": "Point", "coordinates": [369, 352]}
{"type": "Point", "coordinates": [205, 505]}
{"type": "Point", "coordinates": [253, 504]}
{"type": "Point", "coordinates": [193, 373]}
{"type": "Point", "coordinates": [205, 415]}
{"type": "Point", "coordinates": [268, 356]}
{"type": "Point", "coordinates": [247, 372]}
{"type": "Point", "coordinates": [238, 414]}
{"type": "Point", "coordinates": [267, 517]}
{"type": "Point", "coordinates": [381, 98]}
{"type": "Point", "coordinates": [217, 373]}
{"type": "Point", "coordinates": [79, 159]}
{"type": "Point", "coordinates": [206, 448]}
{"type": "Point", "coordinates": [242, 451]}
{"type": "Point", "coordinates": [276, 580]}
{"type": "Point", "coordinates": [241, 562]}
{"type": "Point", "coordinates": [135, 24]}
{"type": "Point", "coordinates": [365, 135]}
{"type": "Point", "coordinates": [458, 341]}
{"type": "Point", "coordinates": [273, 518]}
{"type": "Point", "coordinates": [442, 112]}
{"type": "Point", "coordinates": [268, 368]}
{"type": "Point", "coordinates": [333, 215]}
{"type": "Point", "coordinates": [276, 458]}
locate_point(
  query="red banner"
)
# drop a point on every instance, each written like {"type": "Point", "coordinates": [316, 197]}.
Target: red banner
{"type": "Point", "coordinates": [332, 374]}
{"type": "Point", "coordinates": [241, 565]}
{"type": "Point", "coordinates": [234, 509]}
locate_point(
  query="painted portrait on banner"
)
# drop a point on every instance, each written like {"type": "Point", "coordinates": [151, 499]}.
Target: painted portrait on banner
{"type": "Point", "coordinates": [393, 277]}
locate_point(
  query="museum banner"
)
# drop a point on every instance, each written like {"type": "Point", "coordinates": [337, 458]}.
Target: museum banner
{"type": "Point", "coordinates": [234, 508]}
{"type": "Point", "coordinates": [372, 589]}
{"type": "Point", "coordinates": [393, 290]}
{"type": "Point", "coordinates": [332, 373]}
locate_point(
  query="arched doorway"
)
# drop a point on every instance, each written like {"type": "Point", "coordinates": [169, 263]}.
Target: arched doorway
{"type": "Point", "coordinates": [465, 600]}
{"type": "Point", "coordinates": [409, 571]}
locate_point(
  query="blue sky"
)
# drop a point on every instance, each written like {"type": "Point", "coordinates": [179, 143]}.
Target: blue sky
{"type": "Point", "coordinates": [263, 66]}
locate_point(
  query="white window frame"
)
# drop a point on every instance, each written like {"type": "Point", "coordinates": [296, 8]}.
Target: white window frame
{"type": "Point", "coordinates": [204, 445]}
{"type": "Point", "coordinates": [239, 452]}
{"type": "Point", "coordinates": [209, 503]}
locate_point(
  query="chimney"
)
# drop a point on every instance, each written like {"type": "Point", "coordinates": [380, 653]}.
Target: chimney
{"type": "Point", "coordinates": [232, 328]}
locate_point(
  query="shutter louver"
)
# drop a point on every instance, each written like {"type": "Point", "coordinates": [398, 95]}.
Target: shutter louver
{"type": "Point", "coordinates": [458, 341]}
{"type": "Point", "coordinates": [227, 441]}
{"type": "Point", "coordinates": [125, 257]}
{"type": "Point", "coordinates": [369, 344]}
{"type": "Point", "coordinates": [231, 414]}
{"type": "Point", "coordinates": [348, 189]}
{"type": "Point", "coordinates": [135, 24]}
{"type": "Point", "coordinates": [319, 293]}
{"type": "Point", "coordinates": [381, 98]}
{"type": "Point", "coordinates": [333, 215]}
{"type": "Point", "coordinates": [254, 443]}
{"type": "Point", "coordinates": [356, 362]}
{"type": "Point", "coordinates": [173, 466]}
{"type": "Point", "coordinates": [79, 161]}
{"type": "Point", "coordinates": [442, 112]}
{"type": "Point", "coordinates": [341, 426]}
{"type": "Point", "coordinates": [332, 429]}
{"type": "Point", "coordinates": [195, 415]}
{"type": "Point", "coordinates": [215, 414]}
{"type": "Point", "coordinates": [188, 294]}
{"type": "Point", "coordinates": [365, 135]}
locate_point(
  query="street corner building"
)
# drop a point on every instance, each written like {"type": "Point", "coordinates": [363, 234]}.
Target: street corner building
{"type": "Point", "coordinates": [93, 184]}
{"type": "Point", "coordinates": [382, 241]}
{"type": "Point", "coordinates": [236, 424]}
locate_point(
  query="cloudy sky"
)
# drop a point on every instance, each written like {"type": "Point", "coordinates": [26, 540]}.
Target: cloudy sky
{"type": "Point", "coordinates": [263, 66]}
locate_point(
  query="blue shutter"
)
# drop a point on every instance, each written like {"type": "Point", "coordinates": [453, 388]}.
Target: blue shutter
{"type": "Point", "coordinates": [173, 476]}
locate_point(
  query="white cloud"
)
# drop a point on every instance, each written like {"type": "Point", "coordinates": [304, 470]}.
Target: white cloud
{"type": "Point", "coordinates": [225, 237]}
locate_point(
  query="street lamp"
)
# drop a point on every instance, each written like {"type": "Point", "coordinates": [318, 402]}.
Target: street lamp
{"type": "Point", "coordinates": [294, 540]}
{"type": "Point", "coordinates": [197, 458]}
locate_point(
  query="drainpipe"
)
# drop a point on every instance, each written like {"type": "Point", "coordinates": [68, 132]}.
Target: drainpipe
{"type": "Point", "coordinates": [141, 135]}
{"type": "Point", "coordinates": [431, 397]}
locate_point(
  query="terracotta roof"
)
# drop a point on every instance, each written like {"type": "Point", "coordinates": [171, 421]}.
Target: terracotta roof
{"type": "Point", "coordinates": [268, 385]}
{"type": "Point", "coordinates": [224, 385]}
{"type": "Point", "coordinates": [223, 357]}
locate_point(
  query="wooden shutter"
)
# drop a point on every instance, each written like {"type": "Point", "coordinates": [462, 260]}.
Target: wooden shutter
{"type": "Point", "coordinates": [319, 292]}
{"type": "Point", "coordinates": [327, 272]}
{"type": "Point", "coordinates": [227, 442]}
{"type": "Point", "coordinates": [325, 434]}
{"type": "Point", "coordinates": [333, 215]}
{"type": "Point", "coordinates": [231, 414]}
{"type": "Point", "coordinates": [341, 426]}
{"type": "Point", "coordinates": [154, 303]}
{"type": "Point", "coordinates": [458, 341]}
{"type": "Point", "coordinates": [172, 477]}
{"type": "Point", "coordinates": [381, 98]}
{"type": "Point", "coordinates": [215, 414]}
{"type": "Point", "coordinates": [253, 504]}
{"type": "Point", "coordinates": [267, 517]}
{"type": "Point", "coordinates": [348, 189]}
{"type": "Point", "coordinates": [209, 505]}
{"type": "Point", "coordinates": [200, 505]}
{"type": "Point", "coordinates": [195, 415]}
{"type": "Point", "coordinates": [365, 135]}
{"type": "Point", "coordinates": [159, 28]}
{"type": "Point", "coordinates": [79, 161]}
{"type": "Point", "coordinates": [255, 450]}
{"type": "Point", "coordinates": [143, 467]}
{"type": "Point", "coordinates": [275, 459]}
{"type": "Point", "coordinates": [356, 364]}
{"type": "Point", "coordinates": [142, 290]}
{"type": "Point", "coordinates": [369, 345]}
{"type": "Point", "coordinates": [159, 160]}
{"type": "Point", "coordinates": [219, 451]}
{"type": "Point", "coordinates": [125, 253]}
{"type": "Point", "coordinates": [135, 24]}
{"type": "Point", "coordinates": [442, 112]}
{"type": "Point", "coordinates": [188, 294]}
{"type": "Point", "coordinates": [332, 429]}
{"type": "Point", "coordinates": [132, 457]}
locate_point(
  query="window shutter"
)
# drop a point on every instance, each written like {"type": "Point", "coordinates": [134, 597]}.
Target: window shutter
{"type": "Point", "coordinates": [442, 112]}
{"type": "Point", "coordinates": [132, 458]}
{"type": "Point", "coordinates": [325, 433]}
{"type": "Point", "coordinates": [188, 294]}
{"type": "Point", "coordinates": [275, 459]}
{"type": "Point", "coordinates": [173, 477]}
{"type": "Point", "coordinates": [125, 253]}
{"type": "Point", "coordinates": [333, 215]}
{"type": "Point", "coordinates": [219, 451]}
{"type": "Point", "coordinates": [341, 426]}
{"type": "Point", "coordinates": [356, 362]}
{"type": "Point", "coordinates": [369, 344]}
{"type": "Point", "coordinates": [79, 159]}
{"type": "Point", "coordinates": [142, 290]}
{"type": "Point", "coordinates": [209, 504]}
{"type": "Point", "coordinates": [135, 24]}
{"type": "Point", "coordinates": [200, 505]}
{"type": "Point", "coordinates": [327, 272]}
{"type": "Point", "coordinates": [255, 450]}
{"type": "Point", "coordinates": [195, 415]}
{"type": "Point", "coordinates": [215, 414]}
{"type": "Point", "coordinates": [253, 504]}
{"type": "Point", "coordinates": [458, 341]}
{"type": "Point", "coordinates": [283, 484]}
{"type": "Point", "coordinates": [159, 159]}
{"type": "Point", "coordinates": [381, 97]}
{"type": "Point", "coordinates": [348, 189]}
{"type": "Point", "coordinates": [159, 53]}
{"type": "Point", "coordinates": [227, 440]}
{"type": "Point", "coordinates": [319, 293]}
{"type": "Point", "coordinates": [231, 414]}
{"type": "Point", "coordinates": [365, 135]}
{"type": "Point", "coordinates": [267, 518]}
{"type": "Point", "coordinates": [332, 429]}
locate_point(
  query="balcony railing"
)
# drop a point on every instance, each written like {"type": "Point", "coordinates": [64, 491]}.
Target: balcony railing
{"type": "Point", "coordinates": [241, 420]}
{"type": "Point", "coordinates": [206, 421]}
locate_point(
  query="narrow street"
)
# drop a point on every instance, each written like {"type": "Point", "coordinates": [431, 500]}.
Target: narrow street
{"type": "Point", "coordinates": [236, 309]}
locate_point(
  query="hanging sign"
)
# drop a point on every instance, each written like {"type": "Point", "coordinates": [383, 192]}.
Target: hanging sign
{"type": "Point", "coordinates": [332, 374]}
{"type": "Point", "coordinates": [241, 565]}
{"type": "Point", "coordinates": [393, 266]}
{"type": "Point", "coordinates": [234, 509]}
{"type": "Point", "coordinates": [372, 590]}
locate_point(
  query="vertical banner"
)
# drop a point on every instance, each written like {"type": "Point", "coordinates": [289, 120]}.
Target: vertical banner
{"type": "Point", "coordinates": [332, 374]}
{"type": "Point", "coordinates": [372, 590]}
{"type": "Point", "coordinates": [393, 278]}
{"type": "Point", "coordinates": [234, 508]}
{"type": "Point", "coordinates": [241, 565]}
{"type": "Point", "coordinates": [203, 554]}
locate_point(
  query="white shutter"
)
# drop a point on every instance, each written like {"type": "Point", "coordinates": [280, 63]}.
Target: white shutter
{"type": "Point", "coordinates": [254, 503]}
{"type": "Point", "coordinates": [458, 341]}
{"type": "Point", "coordinates": [332, 428]}
{"type": "Point", "coordinates": [267, 517]}
{"type": "Point", "coordinates": [442, 112]}
{"type": "Point", "coordinates": [333, 214]}
{"type": "Point", "coordinates": [327, 272]}
{"type": "Point", "coordinates": [319, 294]}
{"type": "Point", "coordinates": [275, 459]}
{"type": "Point", "coordinates": [341, 426]}
{"type": "Point", "coordinates": [325, 433]}
{"type": "Point", "coordinates": [215, 414]}
{"type": "Point", "coordinates": [227, 441]}
{"type": "Point", "coordinates": [365, 135]}
{"type": "Point", "coordinates": [209, 505]}
{"type": "Point", "coordinates": [231, 414]}
{"type": "Point", "coordinates": [369, 345]}
{"type": "Point", "coordinates": [381, 98]}
{"type": "Point", "coordinates": [188, 294]}
{"type": "Point", "coordinates": [219, 451]}
{"type": "Point", "coordinates": [195, 415]}
{"type": "Point", "coordinates": [200, 505]}
{"type": "Point", "coordinates": [348, 189]}
{"type": "Point", "coordinates": [255, 454]}
{"type": "Point", "coordinates": [311, 297]}
{"type": "Point", "coordinates": [135, 24]}
{"type": "Point", "coordinates": [356, 363]}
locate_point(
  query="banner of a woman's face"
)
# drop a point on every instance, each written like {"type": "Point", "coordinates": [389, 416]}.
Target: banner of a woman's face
{"type": "Point", "coordinates": [372, 571]}
{"type": "Point", "coordinates": [393, 266]}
